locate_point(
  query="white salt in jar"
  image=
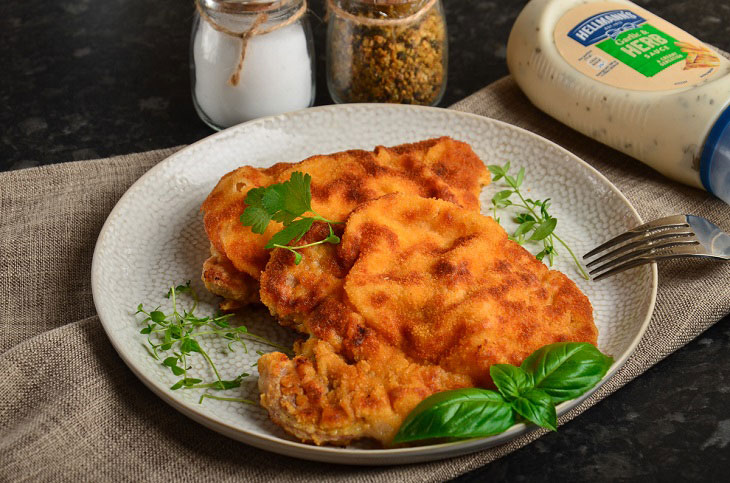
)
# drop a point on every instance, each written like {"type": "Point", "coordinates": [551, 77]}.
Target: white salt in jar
{"type": "Point", "coordinates": [250, 58]}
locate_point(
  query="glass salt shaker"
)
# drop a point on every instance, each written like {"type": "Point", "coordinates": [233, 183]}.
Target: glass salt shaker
{"type": "Point", "coordinates": [386, 51]}
{"type": "Point", "coordinates": [249, 59]}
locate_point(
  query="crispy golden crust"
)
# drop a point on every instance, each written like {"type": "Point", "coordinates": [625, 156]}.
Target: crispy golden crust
{"type": "Point", "coordinates": [321, 397]}
{"type": "Point", "coordinates": [438, 168]}
{"type": "Point", "coordinates": [420, 296]}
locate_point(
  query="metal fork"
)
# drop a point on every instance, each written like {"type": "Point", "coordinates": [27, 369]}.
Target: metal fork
{"type": "Point", "coordinates": [677, 236]}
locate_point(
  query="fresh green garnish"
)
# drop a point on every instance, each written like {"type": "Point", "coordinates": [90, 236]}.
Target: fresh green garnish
{"type": "Point", "coordinates": [535, 224]}
{"type": "Point", "coordinates": [550, 375]}
{"type": "Point", "coordinates": [285, 202]}
{"type": "Point", "coordinates": [172, 340]}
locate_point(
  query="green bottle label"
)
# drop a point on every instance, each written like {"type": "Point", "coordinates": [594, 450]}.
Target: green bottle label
{"type": "Point", "coordinates": [625, 46]}
{"type": "Point", "coordinates": [646, 49]}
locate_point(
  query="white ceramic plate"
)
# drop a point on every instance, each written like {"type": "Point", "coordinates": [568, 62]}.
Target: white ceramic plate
{"type": "Point", "coordinates": [154, 237]}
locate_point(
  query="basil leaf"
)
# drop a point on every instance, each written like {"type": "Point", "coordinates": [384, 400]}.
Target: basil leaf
{"type": "Point", "coordinates": [536, 406]}
{"type": "Point", "coordinates": [462, 413]}
{"type": "Point", "coordinates": [566, 370]}
{"type": "Point", "coordinates": [510, 380]}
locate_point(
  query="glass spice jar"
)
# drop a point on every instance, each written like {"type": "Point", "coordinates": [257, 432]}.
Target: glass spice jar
{"type": "Point", "coordinates": [249, 59]}
{"type": "Point", "coordinates": [386, 51]}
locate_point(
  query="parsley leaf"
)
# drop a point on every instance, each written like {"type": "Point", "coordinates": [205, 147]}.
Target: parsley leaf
{"type": "Point", "coordinates": [286, 203]}
{"type": "Point", "coordinates": [295, 231]}
{"type": "Point", "coordinates": [293, 196]}
{"type": "Point", "coordinates": [257, 218]}
{"type": "Point", "coordinates": [254, 196]}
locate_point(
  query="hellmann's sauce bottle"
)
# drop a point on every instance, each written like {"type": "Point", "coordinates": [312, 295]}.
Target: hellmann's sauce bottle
{"type": "Point", "coordinates": [623, 76]}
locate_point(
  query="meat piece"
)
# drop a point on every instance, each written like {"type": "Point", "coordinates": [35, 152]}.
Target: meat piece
{"type": "Point", "coordinates": [221, 277]}
{"type": "Point", "coordinates": [420, 296]}
{"type": "Point", "coordinates": [438, 168]}
{"type": "Point", "coordinates": [323, 397]}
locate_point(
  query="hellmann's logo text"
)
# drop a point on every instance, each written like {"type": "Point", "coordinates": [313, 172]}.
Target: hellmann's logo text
{"type": "Point", "coordinates": [605, 25]}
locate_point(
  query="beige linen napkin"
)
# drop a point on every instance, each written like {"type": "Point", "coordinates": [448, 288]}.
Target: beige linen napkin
{"type": "Point", "coordinates": [71, 410]}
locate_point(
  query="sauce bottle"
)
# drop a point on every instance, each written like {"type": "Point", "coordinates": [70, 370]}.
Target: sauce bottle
{"type": "Point", "coordinates": [623, 76]}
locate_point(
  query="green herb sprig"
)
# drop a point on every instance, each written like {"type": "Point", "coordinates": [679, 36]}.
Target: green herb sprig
{"type": "Point", "coordinates": [550, 375]}
{"type": "Point", "coordinates": [172, 340]}
{"type": "Point", "coordinates": [285, 202]}
{"type": "Point", "coordinates": [536, 223]}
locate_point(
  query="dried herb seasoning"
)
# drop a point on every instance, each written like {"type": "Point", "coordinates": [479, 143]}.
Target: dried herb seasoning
{"type": "Point", "coordinates": [387, 52]}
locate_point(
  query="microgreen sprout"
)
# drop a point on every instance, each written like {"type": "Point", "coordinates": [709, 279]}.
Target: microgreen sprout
{"type": "Point", "coordinates": [172, 340]}
{"type": "Point", "coordinates": [535, 222]}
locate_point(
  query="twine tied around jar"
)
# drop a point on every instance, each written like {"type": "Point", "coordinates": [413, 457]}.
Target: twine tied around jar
{"type": "Point", "coordinates": [379, 22]}
{"type": "Point", "coordinates": [246, 35]}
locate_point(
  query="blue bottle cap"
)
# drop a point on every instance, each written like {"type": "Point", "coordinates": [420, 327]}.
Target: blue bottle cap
{"type": "Point", "coordinates": [715, 159]}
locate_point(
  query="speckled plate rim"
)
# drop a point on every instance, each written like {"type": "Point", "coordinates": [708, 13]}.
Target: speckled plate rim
{"type": "Point", "coordinates": [354, 456]}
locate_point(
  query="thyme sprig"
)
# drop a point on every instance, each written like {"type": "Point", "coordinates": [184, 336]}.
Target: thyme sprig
{"type": "Point", "coordinates": [172, 340]}
{"type": "Point", "coordinates": [535, 222]}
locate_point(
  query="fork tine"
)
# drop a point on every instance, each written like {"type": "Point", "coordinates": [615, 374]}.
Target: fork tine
{"type": "Point", "coordinates": [621, 268]}
{"type": "Point", "coordinates": [651, 250]}
{"type": "Point", "coordinates": [660, 224]}
{"type": "Point", "coordinates": [681, 251]}
{"type": "Point", "coordinates": [648, 239]}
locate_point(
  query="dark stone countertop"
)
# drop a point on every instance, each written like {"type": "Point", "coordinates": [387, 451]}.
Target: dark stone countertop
{"type": "Point", "coordinates": [84, 79]}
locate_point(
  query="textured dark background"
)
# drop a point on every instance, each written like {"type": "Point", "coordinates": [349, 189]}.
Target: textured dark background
{"type": "Point", "coordinates": [83, 79]}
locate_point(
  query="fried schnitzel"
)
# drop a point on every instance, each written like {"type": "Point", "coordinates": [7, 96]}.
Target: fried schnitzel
{"type": "Point", "coordinates": [420, 296]}
{"type": "Point", "coordinates": [438, 168]}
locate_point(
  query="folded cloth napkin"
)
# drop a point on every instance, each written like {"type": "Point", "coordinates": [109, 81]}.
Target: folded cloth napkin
{"type": "Point", "coordinates": [71, 410]}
